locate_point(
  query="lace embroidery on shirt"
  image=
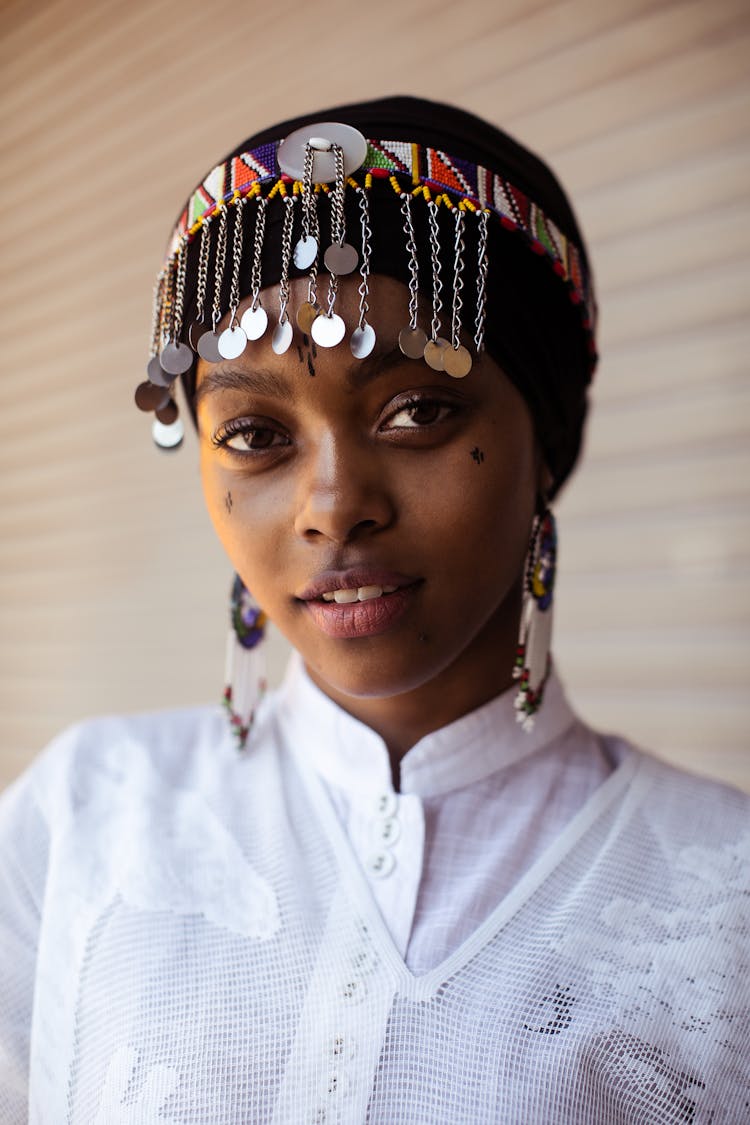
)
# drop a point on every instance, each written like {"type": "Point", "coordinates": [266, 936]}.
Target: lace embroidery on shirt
{"type": "Point", "coordinates": [180, 857]}
{"type": "Point", "coordinates": [131, 1098]}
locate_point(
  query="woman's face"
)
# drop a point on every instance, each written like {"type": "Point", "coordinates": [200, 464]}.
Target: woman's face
{"type": "Point", "coordinates": [401, 493]}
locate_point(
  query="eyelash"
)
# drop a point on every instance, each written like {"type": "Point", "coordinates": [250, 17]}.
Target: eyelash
{"type": "Point", "coordinates": [243, 427]}
{"type": "Point", "coordinates": [414, 402]}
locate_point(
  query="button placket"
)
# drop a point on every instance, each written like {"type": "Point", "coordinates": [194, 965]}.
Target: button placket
{"type": "Point", "coordinates": [385, 832]}
{"type": "Point", "coordinates": [344, 1016]}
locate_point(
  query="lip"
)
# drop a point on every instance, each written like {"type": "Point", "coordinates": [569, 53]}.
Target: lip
{"type": "Point", "coordinates": [359, 619]}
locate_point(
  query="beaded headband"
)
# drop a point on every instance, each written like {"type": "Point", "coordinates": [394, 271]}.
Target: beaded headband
{"type": "Point", "coordinates": [322, 164]}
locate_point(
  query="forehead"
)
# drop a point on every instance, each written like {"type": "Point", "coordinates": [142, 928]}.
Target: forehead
{"type": "Point", "coordinates": [388, 313]}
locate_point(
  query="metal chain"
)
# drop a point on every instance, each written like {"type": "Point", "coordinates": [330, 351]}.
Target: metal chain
{"type": "Point", "coordinates": [482, 269]}
{"type": "Point", "coordinates": [234, 298]}
{"type": "Point", "coordinates": [411, 249]}
{"type": "Point", "coordinates": [338, 222]}
{"type": "Point", "coordinates": [204, 251]}
{"type": "Point", "coordinates": [260, 227]}
{"type": "Point", "coordinates": [286, 255]}
{"type": "Point", "coordinates": [156, 317]}
{"type": "Point", "coordinates": [221, 254]}
{"type": "Point", "coordinates": [458, 281]}
{"type": "Point", "coordinates": [437, 285]}
{"type": "Point", "coordinates": [312, 283]}
{"type": "Point", "coordinates": [364, 269]}
{"type": "Point", "coordinates": [179, 300]}
{"type": "Point", "coordinates": [307, 190]}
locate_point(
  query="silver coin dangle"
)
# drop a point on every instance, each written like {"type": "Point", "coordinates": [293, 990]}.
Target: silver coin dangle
{"type": "Point", "coordinates": [328, 330]}
{"type": "Point", "coordinates": [208, 346]}
{"type": "Point", "coordinates": [157, 375]}
{"type": "Point", "coordinates": [168, 436]}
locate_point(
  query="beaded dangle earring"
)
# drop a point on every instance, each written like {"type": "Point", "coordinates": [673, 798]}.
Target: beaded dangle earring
{"type": "Point", "coordinates": [532, 655]}
{"type": "Point", "coordinates": [245, 663]}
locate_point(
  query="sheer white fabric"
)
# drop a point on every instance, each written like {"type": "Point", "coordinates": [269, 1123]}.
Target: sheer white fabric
{"type": "Point", "coordinates": [191, 936]}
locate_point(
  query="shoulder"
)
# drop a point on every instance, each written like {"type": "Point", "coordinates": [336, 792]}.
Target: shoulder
{"type": "Point", "coordinates": [684, 822]}
{"type": "Point", "coordinates": [123, 754]}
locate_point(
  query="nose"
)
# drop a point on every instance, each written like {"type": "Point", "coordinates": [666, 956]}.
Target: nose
{"type": "Point", "coordinates": [343, 494]}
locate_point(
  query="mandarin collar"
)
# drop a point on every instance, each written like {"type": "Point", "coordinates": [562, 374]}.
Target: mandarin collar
{"type": "Point", "coordinates": [351, 756]}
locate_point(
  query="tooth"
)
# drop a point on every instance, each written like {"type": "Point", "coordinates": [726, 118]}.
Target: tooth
{"type": "Point", "coordinates": [329, 596]}
{"type": "Point", "coordinates": [344, 596]}
{"type": "Point", "coordinates": [364, 593]}
{"type": "Point", "coordinates": [390, 589]}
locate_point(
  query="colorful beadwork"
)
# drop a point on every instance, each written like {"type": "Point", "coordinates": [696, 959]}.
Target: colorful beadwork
{"type": "Point", "coordinates": [427, 168]}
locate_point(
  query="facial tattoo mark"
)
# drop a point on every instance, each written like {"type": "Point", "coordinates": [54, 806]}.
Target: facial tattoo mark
{"type": "Point", "coordinates": [477, 454]}
{"type": "Point", "coordinates": [228, 503]}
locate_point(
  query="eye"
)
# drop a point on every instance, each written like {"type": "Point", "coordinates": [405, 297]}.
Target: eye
{"type": "Point", "coordinates": [243, 435]}
{"type": "Point", "coordinates": [417, 413]}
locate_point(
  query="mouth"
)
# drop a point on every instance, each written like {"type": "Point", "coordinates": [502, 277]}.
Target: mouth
{"type": "Point", "coordinates": [358, 603]}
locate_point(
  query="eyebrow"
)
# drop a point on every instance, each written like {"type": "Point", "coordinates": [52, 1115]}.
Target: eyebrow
{"type": "Point", "coordinates": [264, 381]}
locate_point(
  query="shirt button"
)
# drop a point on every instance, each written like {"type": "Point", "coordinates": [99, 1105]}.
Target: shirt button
{"type": "Point", "coordinates": [336, 1084]}
{"type": "Point", "coordinates": [343, 1047]}
{"type": "Point", "coordinates": [380, 864]}
{"type": "Point", "coordinates": [387, 831]}
{"type": "Point", "coordinates": [386, 804]}
{"type": "Point", "coordinates": [353, 991]}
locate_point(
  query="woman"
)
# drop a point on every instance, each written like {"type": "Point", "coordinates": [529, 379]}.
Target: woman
{"type": "Point", "coordinates": [398, 903]}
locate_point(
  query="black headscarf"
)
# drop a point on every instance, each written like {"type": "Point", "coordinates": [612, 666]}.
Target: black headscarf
{"type": "Point", "coordinates": [533, 330]}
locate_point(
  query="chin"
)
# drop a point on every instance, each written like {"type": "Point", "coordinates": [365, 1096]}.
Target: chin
{"type": "Point", "coordinates": [362, 672]}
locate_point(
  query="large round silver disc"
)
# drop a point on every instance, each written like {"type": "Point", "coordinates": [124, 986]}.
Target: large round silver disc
{"type": "Point", "coordinates": [157, 375]}
{"type": "Point", "coordinates": [208, 347]}
{"type": "Point", "coordinates": [176, 359]}
{"type": "Point", "coordinates": [457, 361]}
{"type": "Point", "coordinates": [362, 341]}
{"type": "Point", "coordinates": [291, 151]}
{"type": "Point", "coordinates": [254, 322]}
{"type": "Point", "coordinates": [328, 331]}
{"type": "Point", "coordinates": [168, 437]}
{"type": "Point", "coordinates": [282, 337]}
{"type": "Point", "coordinates": [412, 342]}
{"type": "Point", "coordinates": [150, 397]}
{"type": "Point", "coordinates": [306, 314]}
{"type": "Point", "coordinates": [232, 342]}
{"type": "Point", "coordinates": [434, 354]}
{"type": "Point", "coordinates": [342, 259]}
{"type": "Point", "coordinates": [305, 252]}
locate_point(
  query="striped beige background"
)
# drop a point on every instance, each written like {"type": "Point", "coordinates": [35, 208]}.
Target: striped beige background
{"type": "Point", "coordinates": [112, 589]}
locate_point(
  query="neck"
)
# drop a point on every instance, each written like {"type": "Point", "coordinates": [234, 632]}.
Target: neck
{"type": "Point", "coordinates": [481, 672]}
